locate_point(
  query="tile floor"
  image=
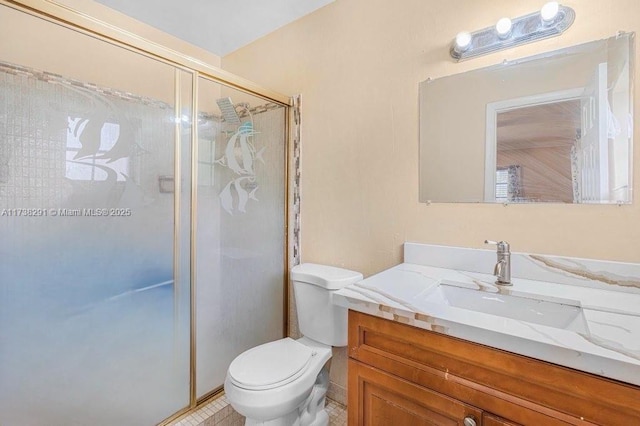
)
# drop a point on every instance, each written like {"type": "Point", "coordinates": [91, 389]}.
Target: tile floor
{"type": "Point", "coordinates": [337, 413]}
{"type": "Point", "coordinates": [218, 412]}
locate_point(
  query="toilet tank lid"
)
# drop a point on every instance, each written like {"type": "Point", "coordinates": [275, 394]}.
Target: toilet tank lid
{"type": "Point", "coordinates": [328, 277]}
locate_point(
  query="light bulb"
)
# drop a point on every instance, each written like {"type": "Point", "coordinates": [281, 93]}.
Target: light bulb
{"type": "Point", "coordinates": [503, 27]}
{"type": "Point", "coordinates": [549, 11]}
{"type": "Point", "coordinates": [463, 41]}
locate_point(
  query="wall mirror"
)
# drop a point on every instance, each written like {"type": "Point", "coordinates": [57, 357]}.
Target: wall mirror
{"type": "Point", "coordinates": [555, 127]}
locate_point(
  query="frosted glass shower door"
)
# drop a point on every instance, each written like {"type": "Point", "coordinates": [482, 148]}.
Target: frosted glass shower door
{"type": "Point", "coordinates": [240, 227]}
{"type": "Point", "coordinates": [94, 266]}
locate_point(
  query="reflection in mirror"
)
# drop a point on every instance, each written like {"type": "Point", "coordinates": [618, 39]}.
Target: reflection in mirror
{"type": "Point", "coordinates": [555, 127]}
{"type": "Point", "coordinates": [547, 157]}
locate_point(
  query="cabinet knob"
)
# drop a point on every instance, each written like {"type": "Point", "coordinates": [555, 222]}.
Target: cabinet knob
{"type": "Point", "coordinates": [469, 421]}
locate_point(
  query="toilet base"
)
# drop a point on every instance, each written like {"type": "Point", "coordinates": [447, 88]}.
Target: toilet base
{"type": "Point", "coordinates": [311, 412]}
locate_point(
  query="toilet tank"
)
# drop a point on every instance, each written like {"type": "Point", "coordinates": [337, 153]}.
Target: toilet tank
{"type": "Point", "coordinates": [318, 318]}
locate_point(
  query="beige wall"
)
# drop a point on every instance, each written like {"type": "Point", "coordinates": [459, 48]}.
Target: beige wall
{"type": "Point", "coordinates": [141, 30]}
{"type": "Point", "coordinates": [33, 42]}
{"type": "Point", "coordinates": [357, 64]}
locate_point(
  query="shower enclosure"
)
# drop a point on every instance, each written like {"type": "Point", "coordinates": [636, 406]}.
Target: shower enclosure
{"type": "Point", "coordinates": [142, 227]}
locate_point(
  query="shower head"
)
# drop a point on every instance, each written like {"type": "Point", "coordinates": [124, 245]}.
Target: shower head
{"type": "Point", "coordinates": [228, 111]}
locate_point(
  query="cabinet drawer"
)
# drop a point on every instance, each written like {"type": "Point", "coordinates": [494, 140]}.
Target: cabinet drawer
{"type": "Point", "coordinates": [515, 387]}
{"type": "Point", "coordinates": [377, 398]}
{"type": "Point", "coordinates": [491, 420]}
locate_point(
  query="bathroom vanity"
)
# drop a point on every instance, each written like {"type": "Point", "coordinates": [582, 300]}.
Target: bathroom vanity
{"type": "Point", "coordinates": [403, 375]}
{"type": "Point", "coordinates": [434, 341]}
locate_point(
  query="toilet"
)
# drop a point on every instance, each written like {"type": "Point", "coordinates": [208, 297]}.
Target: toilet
{"type": "Point", "coordinates": [284, 383]}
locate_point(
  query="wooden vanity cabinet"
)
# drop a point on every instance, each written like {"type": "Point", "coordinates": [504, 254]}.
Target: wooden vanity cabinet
{"type": "Point", "coordinates": [404, 375]}
{"type": "Point", "coordinates": [491, 420]}
{"type": "Point", "coordinates": [389, 400]}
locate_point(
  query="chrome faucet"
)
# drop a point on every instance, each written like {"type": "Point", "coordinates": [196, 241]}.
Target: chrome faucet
{"type": "Point", "coordinates": [502, 270]}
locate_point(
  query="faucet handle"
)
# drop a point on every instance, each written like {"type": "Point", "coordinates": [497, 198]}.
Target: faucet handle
{"type": "Point", "coordinates": [502, 246]}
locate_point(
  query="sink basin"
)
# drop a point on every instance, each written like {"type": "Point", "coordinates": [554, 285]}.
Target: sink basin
{"type": "Point", "coordinates": [564, 315]}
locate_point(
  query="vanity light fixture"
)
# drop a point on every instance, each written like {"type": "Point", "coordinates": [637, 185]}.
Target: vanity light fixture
{"type": "Point", "coordinates": [549, 11]}
{"type": "Point", "coordinates": [463, 40]}
{"type": "Point", "coordinates": [503, 28]}
{"type": "Point", "coordinates": [552, 20]}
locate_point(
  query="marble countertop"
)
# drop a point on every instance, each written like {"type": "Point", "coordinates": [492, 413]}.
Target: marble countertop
{"type": "Point", "coordinates": [606, 341]}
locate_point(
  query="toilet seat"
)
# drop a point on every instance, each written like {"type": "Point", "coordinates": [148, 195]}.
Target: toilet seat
{"type": "Point", "coordinates": [270, 365]}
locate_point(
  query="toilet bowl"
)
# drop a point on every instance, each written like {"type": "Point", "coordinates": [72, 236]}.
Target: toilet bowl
{"type": "Point", "coordinates": [284, 383]}
{"type": "Point", "coordinates": [272, 381]}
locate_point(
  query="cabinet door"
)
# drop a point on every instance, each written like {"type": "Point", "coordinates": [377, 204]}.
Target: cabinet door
{"type": "Point", "coordinates": [493, 420]}
{"type": "Point", "coordinates": [380, 399]}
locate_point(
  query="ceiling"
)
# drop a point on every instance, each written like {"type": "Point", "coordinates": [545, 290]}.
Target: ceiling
{"type": "Point", "coordinates": [219, 26]}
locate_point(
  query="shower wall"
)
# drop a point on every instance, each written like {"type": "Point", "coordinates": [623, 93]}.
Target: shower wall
{"type": "Point", "coordinates": [97, 242]}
